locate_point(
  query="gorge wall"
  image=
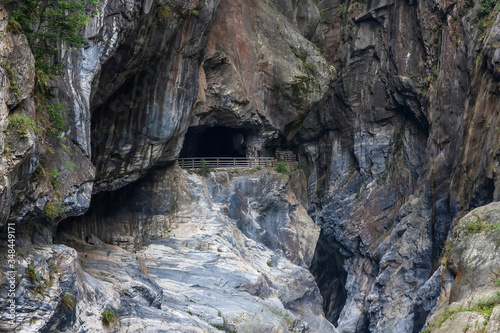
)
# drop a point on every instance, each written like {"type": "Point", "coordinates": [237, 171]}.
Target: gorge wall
{"type": "Point", "coordinates": [392, 108]}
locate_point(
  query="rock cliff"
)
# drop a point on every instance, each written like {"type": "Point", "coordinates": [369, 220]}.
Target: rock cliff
{"type": "Point", "coordinates": [391, 107]}
{"type": "Point", "coordinates": [471, 302]}
{"type": "Point", "coordinates": [407, 144]}
{"type": "Point", "coordinates": [229, 252]}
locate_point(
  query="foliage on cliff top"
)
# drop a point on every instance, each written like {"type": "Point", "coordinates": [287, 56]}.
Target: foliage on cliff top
{"type": "Point", "coordinates": [49, 26]}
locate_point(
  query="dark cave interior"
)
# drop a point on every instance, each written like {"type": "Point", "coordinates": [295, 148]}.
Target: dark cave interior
{"type": "Point", "coordinates": [202, 141]}
{"type": "Point", "coordinates": [328, 269]}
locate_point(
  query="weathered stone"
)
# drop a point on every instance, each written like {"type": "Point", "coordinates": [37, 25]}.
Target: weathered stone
{"type": "Point", "coordinates": [381, 147]}
{"type": "Point", "coordinates": [17, 74]}
{"type": "Point", "coordinates": [474, 258]}
{"type": "Point", "coordinates": [273, 72]}
{"type": "Point", "coordinates": [230, 250]}
{"type": "Point", "coordinates": [55, 272]}
{"type": "Point", "coordinates": [142, 102]}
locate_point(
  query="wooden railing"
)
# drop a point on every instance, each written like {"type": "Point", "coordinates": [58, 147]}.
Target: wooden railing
{"type": "Point", "coordinates": [226, 162]}
{"type": "Point", "coordinates": [286, 156]}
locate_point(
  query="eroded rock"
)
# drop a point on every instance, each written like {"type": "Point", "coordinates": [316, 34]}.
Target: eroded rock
{"type": "Point", "coordinates": [472, 302]}
{"type": "Point", "coordinates": [230, 250]}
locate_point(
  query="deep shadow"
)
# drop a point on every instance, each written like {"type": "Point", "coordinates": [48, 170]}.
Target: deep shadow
{"type": "Point", "coordinates": [214, 142]}
{"type": "Point", "coordinates": [120, 217]}
{"type": "Point", "coordinates": [328, 269]}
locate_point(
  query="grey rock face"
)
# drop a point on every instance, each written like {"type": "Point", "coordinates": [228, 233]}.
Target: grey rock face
{"type": "Point", "coordinates": [17, 80]}
{"type": "Point", "coordinates": [125, 41]}
{"type": "Point", "coordinates": [472, 257]}
{"type": "Point", "coordinates": [387, 149]}
{"type": "Point", "coordinates": [473, 251]}
{"type": "Point", "coordinates": [43, 295]}
{"type": "Point", "coordinates": [226, 251]}
{"type": "Point", "coordinates": [146, 89]}
{"type": "Point", "coordinates": [260, 73]}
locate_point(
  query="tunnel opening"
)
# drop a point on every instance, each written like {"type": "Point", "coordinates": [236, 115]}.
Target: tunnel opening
{"type": "Point", "coordinates": [219, 141]}
{"type": "Point", "coordinates": [328, 269]}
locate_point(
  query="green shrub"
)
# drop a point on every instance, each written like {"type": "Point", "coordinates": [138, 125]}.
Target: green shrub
{"type": "Point", "coordinates": [54, 177]}
{"type": "Point", "coordinates": [486, 307]}
{"type": "Point", "coordinates": [493, 227]}
{"type": "Point", "coordinates": [485, 19]}
{"type": "Point", "coordinates": [479, 225]}
{"type": "Point", "coordinates": [109, 316]}
{"type": "Point", "coordinates": [23, 124]}
{"type": "Point", "coordinates": [39, 289]}
{"type": "Point", "coordinates": [341, 9]}
{"type": "Point", "coordinates": [32, 274]}
{"type": "Point", "coordinates": [70, 165]}
{"type": "Point", "coordinates": [163, 13]}
{"type": "Point", "coordinates": [68, 301]}
{"type": "Point", "coordinates": [310, 67]}
{"type": "Point", "coordinates": [483, 307]}
{"type": "Point", "coordinates": [204, 170]}
{"type": "Point", "coordinates": [475, 227]}
{"type": "Point", "coordinates": [49, 26]}
{"type": "Point", "coordinates": [486, 7]}
{"type": "Point", "coordinates": [54, 209]}
{"type": "Point", "coordinates": [14, 26]}
{"type": "Point", "coordinates": [57, 120]}
{"type": "Point", "coordinates": [282, 167]}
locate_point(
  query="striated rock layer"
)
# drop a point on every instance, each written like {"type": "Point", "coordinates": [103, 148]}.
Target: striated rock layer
{"type": "Point", "coordinates": [403, 142]}
{"type": "Point", "coordinates": [228, 252]}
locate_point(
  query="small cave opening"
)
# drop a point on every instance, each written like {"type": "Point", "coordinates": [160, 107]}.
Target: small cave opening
{"type": "Point", "coordinates": [328, 269]}
{"type": "Point", "coordinates": [219, 141]}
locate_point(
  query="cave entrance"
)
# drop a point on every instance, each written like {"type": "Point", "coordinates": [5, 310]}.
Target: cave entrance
{"type": "Point", "coordinates": [217, 141]}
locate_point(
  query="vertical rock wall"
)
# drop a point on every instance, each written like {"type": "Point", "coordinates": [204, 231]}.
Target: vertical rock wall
{"type": "Point", "coordinates": [146, 90]}
{"type": "Point", "coordinates": [401, 144]}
